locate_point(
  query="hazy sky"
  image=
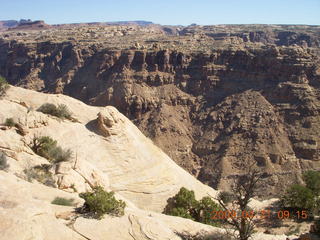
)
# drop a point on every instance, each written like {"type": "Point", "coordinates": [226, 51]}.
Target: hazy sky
{"type": "Point", "coordinates": [174, 12]}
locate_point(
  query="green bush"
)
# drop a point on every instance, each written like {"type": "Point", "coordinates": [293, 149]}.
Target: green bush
{"type": "Point", "coordinates": [40, 173]}
{"type": "Point", "coordinates": [100, 202]}
{"type": "Point", "coordinates": [57, 154]}
{"type": "Point", "coordinates": [204, 211]}
{"type": "Point", "coordinates": [3, 162]}
{"type": "Point", "coordinates": [184, 204]}
{"type": "Point", "coordinates": [10, 122]}
{"type": "Point", "coordinates": [48, 108]}
{"type": "Point", "coordinates": [3, 85]}
{"type": "Point", "coordinates": [298, 197]}
{"type": "Point", "coordinates": [61, 111]}
{"type": "Point", "coordinates": [185, 199]}
{"type": "Point", "coordinates": [43, 145]}
{"type": "Point", "coordinates": [63, 201]}
{"type": "Point", "coordinates": [47, 147]}
{"type": "Point", "coordinates": [180, 212]}
{"type": "Point", "coordinates": [312, 180]}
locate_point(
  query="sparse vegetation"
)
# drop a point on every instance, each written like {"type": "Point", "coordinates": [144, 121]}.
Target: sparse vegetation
{"type": "Point", "coordinates": [40, 173]}
{"type": "Point", "coordinates": [184, 204]}
{"type": "Point", "coordinates": [312, 180]}
{"type": "Point", "coordinates": [99, 202]}
{"type": "Point", "coordinates": [204, 211]}
{"type": "Point", "coordinates": [3, 85]}
{"type": "Point", "coordinates": [3, 162]}
{"type": "Point", "coordinates": [9, 122]}
{"type": "Point", "coordinates": [57, 155]}
{"type": "Point", "coordinates": [300, 197]}
{"type": "Point", "coordinates": [63, 201]}
{"type": "Point", "coordinates": [60, 111]}
{"type": "Point", "coordinates": [47, 147]}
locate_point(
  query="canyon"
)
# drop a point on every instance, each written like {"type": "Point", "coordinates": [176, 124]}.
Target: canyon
{"type": "Point", "coordinates": [214, 98]}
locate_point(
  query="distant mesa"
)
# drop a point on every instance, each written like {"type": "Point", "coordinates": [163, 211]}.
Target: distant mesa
{"type": "Point", "coordinates": [25, 24]}
{"type": "Point", "coordinates": [28, 24]}
{"type": "Point", "coordinates": [6, 24]}
{"type": "Point", "coordinates": [119, 23]}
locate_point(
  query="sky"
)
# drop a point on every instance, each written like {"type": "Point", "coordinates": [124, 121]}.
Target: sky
{"type": "Point", "coordinates": [166, 12]}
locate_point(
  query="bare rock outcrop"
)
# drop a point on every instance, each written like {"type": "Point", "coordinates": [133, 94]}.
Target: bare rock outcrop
{"type": "Point", "coordinates": [124, 161]}
{"type": "Point", "coordinates": [109, 123]}
{"type": "Point", "coordinates": [112, 160]}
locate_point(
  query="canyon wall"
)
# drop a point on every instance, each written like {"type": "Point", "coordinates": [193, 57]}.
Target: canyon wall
{"type": "Point", "coordinates": [214, 112]}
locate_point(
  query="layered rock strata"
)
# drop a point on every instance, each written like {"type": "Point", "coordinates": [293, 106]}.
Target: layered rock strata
{"type": "Point", "coordinates": [213, 110]}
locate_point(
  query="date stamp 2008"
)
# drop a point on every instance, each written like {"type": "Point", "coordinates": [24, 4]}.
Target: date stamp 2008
{"type": "Point", "coordinates": [262, 214]}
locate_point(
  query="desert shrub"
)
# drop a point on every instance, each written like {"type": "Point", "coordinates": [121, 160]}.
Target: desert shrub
{"type": "Point", "coordinates": [312, 180]}
{"type": "Point", "coordinates": [298, 197]}
{"type": "Point", "coordinates": [60, 155]}
{"type": "Point", "coordinates": [180, 212]}
{"type": "Point", "coordinates": [9, 122]}
{"type": "Point", "coordinates": [43, 145]}
{"type": "Point", "coordinates": [48, 148]}
{"type": "Point", "coordinates": [40, 173]}
{"type": "Point", "coordinates": [3, 162]}
{"type": "Point", "coordinates": [184, 204]}
{"type": "Point", "coordinates": [3, 85]}
{"type": "Point", "coordinates": [99, 202]}
{"type": "Point", "coordinates": [48, 108]}
{"type": "Point", "coordinates": [63, 201]}
{"type": "Point", "coordinates": [60, 111]}
{"type": "Point", "coordinates": [185, 199]}
{"type": "Point", "coordinates": [204, 211]}
{"type": "Point", "coordinates": [63, 111]}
